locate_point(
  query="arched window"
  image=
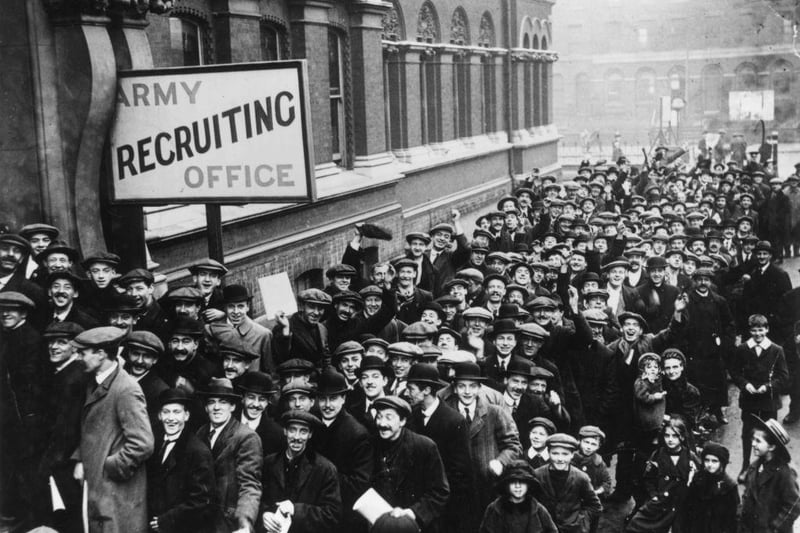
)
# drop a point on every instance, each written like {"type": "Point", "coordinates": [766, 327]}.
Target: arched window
{"type": "Point", "coordinates": [746, 78]}
{"type": "Point", "coordinates": [544, 43]}
{"type": "Point", "coordinates": [526, 41]}
{"type": "Point", "coordinates": [459, 27]}
{"type": "Point", "coordinates": [394, 75]}
{"type": "Point", "coordinates": [336, 75]}
{"type": "Point", "coordinates": [712, 89]}
{"type": "Point", "coordinates": [273, 43]}
{"type": "Point", "coordinates": [546, 72]}
{"type": "Point", "coordinates": [644, 96]}
{"type": "Point", "coordinates": [614, 87]}
{"type": "Point", "coordinates": [430, 75]}
{"type": "Point", "coordinates": [462, 94]}
{"type": "Point", "coordinates": [187, 42]}
{"type": "Point", "coordinates": [486, 32]}
{"type": "Point", "coordinates": [782, 77]}
{"type": "Point", "coordinates": [583, 92]}
{"type": "Point", "coordinates": [535, 44]}
{"type": "Point", "coordinates": [486, 39]}
{"type": "Point", "coordinates": [428, 24]}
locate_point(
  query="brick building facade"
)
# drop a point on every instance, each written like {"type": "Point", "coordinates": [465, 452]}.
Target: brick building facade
{"type": "Point", "coordinates": [620, 56]}
{"type": "Point", "coordinates": [417, 106]}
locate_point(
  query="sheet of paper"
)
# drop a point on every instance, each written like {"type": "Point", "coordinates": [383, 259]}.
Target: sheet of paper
{"type": "Point", "coordinates": [277, 294]}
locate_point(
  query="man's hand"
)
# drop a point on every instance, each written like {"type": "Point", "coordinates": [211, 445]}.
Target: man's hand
{"type": "Point", "coordinates": [496, 467]}
{"type": "Point", "coordinates": [286, 507]}
{"type": "Point", "coordinates": [455, 214]}
{"type": "Point", "coordinates": [762, 389]}
{"type": "Point", "coordinates": [681, 302]}
{"type": "Point", "coordinates": [750, 388]}
{"type": "Point", "coordinates": [397, 512]}
{"type": "Point", "coordinates": [283, 320]}
{"type": "Point", "coordinates": [154, 523]}
{"type": "Point", "coordinates": [77, 472]}
{"type": "Point", "coordinates": [554, 398]}
{"type": "Point", "coordinates": [212, 315]}
{"type": "Point", "coordinates": [573, 299]}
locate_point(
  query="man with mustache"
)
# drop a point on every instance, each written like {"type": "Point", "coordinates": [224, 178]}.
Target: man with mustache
{"type": "Point", "coordinates": [14, 252]}
{"type": "Point", "coordinates": [495, 285]}
{"type": "Point", "coordinates": [346, 442]}
{"type": "Point", "coordinates": [185, 366]}
{"type": "Point", "coordinates": [122, 312]}
{"type": "Point", "coordinates": [302, 335]}
{"type": "Point", "coordinates": [142, 349]}
{"type": "Point", "coordinates": [62, 287]}
{"type": "Point", "coordinates": [235, 362]}
{"type": "Point", "coordinates": [300, 485]}
{"type": "Point", "coordinates": [185, 302]}
{"type": "Point", "coordinates": [408, 473]}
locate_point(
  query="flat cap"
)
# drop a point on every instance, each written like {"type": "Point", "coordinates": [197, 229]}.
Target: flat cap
{"type": "Point", "coordinates": [29, 230]}
{"type": "Point", "coordinates": [478, 312]}
{"type": "Point", "coordinates": [299, 386]}
{"type": "Point", "coordinates": [541, 302]}
{"type": "Point", "coordinates": [106, 258]}
{"type": "Point", "coordinates": [295, 365]}
{"type": "Point", "coordinates": [371, 290]}
{"type": "Point", "coordinates": [16, 240]}
{"type": "Point", "coordinates": [406, 262]}
{"type": "Point", "coordinates": [123, 303]}
{"type": "Point", "coordinates": [100, 337]}
{"type": "Point", "coordinates": [69, 330]}
{"type": "Point", "coordinates": [447, 228]}
{"type": "Point", "coordinates": [145, 339]}
{"type": "Point", "coordinates": [297, 416]}
{"type": "Point", "coordinates": [239, 351]}
{"type": "Point", "coordinates": [472, 274]}
{"type": "Point", "coordinates": [340, 270]}
{"type": "Point", "coordinates": [591, 431]}
{"type": "Point", "coordinates": [540, 421]}
{"type": "Point", "coordinates": [418, 235]}
{"type": "Point", "coordinates": [406, 349]}
{"type": "Point", "coordinates": [14, 300]}
{"type": "Point", "coordinates": [314, 296]}
{"type": "Point", "coordinates": [208, 264]}
{"type": "Point", "coordinates": [346, 348]}
{"type": "Point", "coordinates": [562, 440]}
{"type": "Point", "coordinates": [185, 294]}
{"type": "Point", "coordinates": [136, 275]}
{"type": "Point", "coordinates": [393, 402]}
{"type": "Point", "coordinates": [595, 316]}
{"type": "Point", "coordinates": [418, 331]}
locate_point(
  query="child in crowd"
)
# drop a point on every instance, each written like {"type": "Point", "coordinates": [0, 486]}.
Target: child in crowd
{"type": "Point", "coordinates": [587, 460]}
{"type": "Point", "coordinates": [666, 479]}
{"type": "Point", "coordinates": [541, 429]}
{"type": "Point", "coordinates": [713, 498]}
{"type": "Point", "coordinates": [649, 408]}
{"type": "Point", "coordinates": [516, 510]}
{"type": "Point", "coordinates": [564, 490]}
{"type": "Point", "coordinates": [771, 500]}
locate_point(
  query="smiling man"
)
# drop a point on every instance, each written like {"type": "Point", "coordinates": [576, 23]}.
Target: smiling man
{"type": "Point", "coordinates": [14, 251]}
{"type": "Point", "coordinates": [258, 393]}
{"type": "Point", "coordinates": [300, 486]}
{"type": "Point", "coordinates": [142, 351]}
{"type": "Point", "coordinates": [184, 365]}
{"type": "Point", "coordinates": [302, 335]}
{"type": "Point", "coordinates": [62, 287]}
{"type": "Point", "coordinates": [138, 284]}
{"type": "Point", "coordinates": [207, 276]}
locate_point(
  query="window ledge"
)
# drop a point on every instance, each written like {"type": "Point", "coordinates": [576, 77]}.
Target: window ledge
{"type": "Point", "coordinates": [420, 158]}
{"type": "Point", "coordinates": [538, 135]}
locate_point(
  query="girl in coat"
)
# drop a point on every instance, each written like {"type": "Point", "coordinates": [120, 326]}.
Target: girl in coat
{"type": "Point", "coordinates": [666, 479]}
{"type": "Point", "coordinates": [649, 409]}
{"type": "Point", "coordinates": [713, 497]}
{"type": "Point", "coordinates": [771, 500]}
{"type": "Point", "coordinates": [516, 510]}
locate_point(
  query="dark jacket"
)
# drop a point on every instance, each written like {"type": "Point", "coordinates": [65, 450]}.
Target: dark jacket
{"type": "Point", "coordinates": [501, 513]}
{"type": "Point", "coordinates": [572, 509]}
{"type": "Point", "coordinates": [427, 281]}
{"type": "Point", "coordinates": [314, 491]}
{"type": "Point", "coordinates": [152, 385]}
{"type": "Point", "coordinates": [448, 261]}
{"type": "Point", "coordinates": [659, 304]}
{"type": "Point", "coordinates": [155, 320]}
{"type": "Point", "coordinates": [409, 474]}
{"type": "Point", "coordinates": [409, 309]}
{"type": "Point", "coordinates": [78, 315]}
{"type": "Point", "coordinates": [17, 282]}
{"type": "Point", "coordinates": [763, 293]}
{"type": "Point", "coordinates": [771, 501]}
{"type": "Point", "coordinates": [181, 489]}
{"type": "Point", "coordinates": [594, 467]}
{"type": "Point", "coordinates": [769, 369]}
{"type": "Point", "coordinates": [359, 324]}
{"type": "Point", "coordinates": [305, 341]}
{"type": "Point", "coordinates": [683, 399]}
{"type": "Point", "coordinates": [711, 504]}
{"type": "Point", "coordinates": [596, 380]}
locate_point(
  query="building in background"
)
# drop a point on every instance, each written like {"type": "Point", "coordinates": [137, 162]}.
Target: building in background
{"type": "Point", "coordinates": [417, 107]}
{"type": "Point", "coordinates": [640, 66]}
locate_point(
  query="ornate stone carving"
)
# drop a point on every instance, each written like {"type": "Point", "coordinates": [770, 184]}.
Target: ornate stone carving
{"type": "Point", "coordinates": [486, 32]}
{"type": "Point", "coordinates": [127, 8]}
{"type": "Point", "coordinates": [427, 24]}
{"type": "Point", "coordinates": [459, 29]}
{"type": "Point", "coordinates": [392, 30]}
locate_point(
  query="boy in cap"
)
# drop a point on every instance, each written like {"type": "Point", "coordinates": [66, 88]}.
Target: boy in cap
{"type": "Point", "coordinates": [517, 510]}
{"type": "Point", "coordinates": [565, 491]}
{"type": "Point", "coordinates": [449, 249]}
{"type": "Point", "coordinates": [408, 471]}
{"type": "Point", "coordinates": [237, 459]}
{"type": "Point", "coordinates": [139, 284]}
{"type": "Point", "coordinates": [300, 486]}
{"type": "Point", "coordinates": [115, 438]}
{"type": "Point", "coordinates": [540, 429]}
{"type": "Point", "coordinates": [409, 295]}
{"type": "Point", "coordinates": [590, 439]}
{"type": "Point", "coordinates": [426, 274]}
{"type": "Point", "coordinates": [207, 276]}
{"type": "Point", "coordinates": [101, 269]}
{"type": "Point", "coordinates": [39, 235]}
{"type": "Point", "coordinates": [303, 335]}
{"type": "Point", "coordinates": [180, 475]}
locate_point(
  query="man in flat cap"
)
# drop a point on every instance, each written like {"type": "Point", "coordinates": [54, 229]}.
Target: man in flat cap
{"type": "Point", "coordinates": [300, 485]}
{"type": "Point", "coordinates": [303, 335]}
{"type": "Point", "coordinates": [142, 350]}
{"type": "Point", "coordinates": [39, 235]}
{"type": "Point", "coordinates": [180, 474]}
{"type": "Point", "coordinates": [14, 252]}
{"type": "Point", "coordinates": [410, 296]}
{"type": "Point", "coordinates": [116, 438]}
{"type": "Point", "coordinates": [238, 459]}
{"type": "Point", "coordinates": [426, 274]}
{"type": "Point", "coordinates": [63, 289]}
{"type": "Point", "coordinates": [347, 321]}
{"type": "Point", "coordinates": [348, 445]}
{"type": "Point", "coordinates": [185, 365]}
{"type": "Point", "coordinates": [374, 303]}
{"type": "Point", "coordinates": [207, 276]}
{"type": "Point", "coordinates": [138, 283]}
{"type": "Point", "coordinates": [184, 302]}
{"type": "Point", "coordinates": [99, 290]}
{"type": "Point", "coordinates": [449, 250]}
{"type": "Point", "coordinates": [657, 295]}
{"type": "Point", "coordinates": [408, 469]}
{"type": "Point", "coordinates": [240, 331]}
{"type": "Point", "coordinates": [61, 414]}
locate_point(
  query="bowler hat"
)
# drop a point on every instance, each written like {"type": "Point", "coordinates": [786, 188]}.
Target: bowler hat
{"type": "Point", "coordinates": [208, 264]}
{"type": "Point", "coordinates": [393, 402]}
{"type": "Point", "coordinates": [220, 388]}
{"type": "Point", "coordinates": [145, 339]}
{"type": "Point", "coordinates": [123, 303]}
{"type": "Point", "coordinates": [504, 325]}
{"type": "Point", "coordinates": [176, 395]}
{"type": "Point", "coordinates": [509, 311]}
{"type": "Point", "coordinates": [425, 374]}
{"type": "Point", "coordinates": [257, 382]}
{"type": "Point", "coordinates": [69, 330]}
{"type": "Point", "coordinates": [187, 326]}
{"type": "Point", "coordinates": [373, 362]}
{"type": "Point", "coordinates": [298, 416]}
{"type": "Point", "coordinates": [656, 261]}
{"type": "Point", "coordinates": [59, 247]}
{"type": "Point", "coordinates": [468, 371]}
{"type": "Point", "coordinates": [235, 293]}
{"type": "Point", "coordinates": [520, 367]}
{"type": "Point", "coordinates": [331, 383]}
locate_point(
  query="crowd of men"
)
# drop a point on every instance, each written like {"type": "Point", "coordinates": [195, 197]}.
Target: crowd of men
{"type": "Point", "coordinates": [425, 377]}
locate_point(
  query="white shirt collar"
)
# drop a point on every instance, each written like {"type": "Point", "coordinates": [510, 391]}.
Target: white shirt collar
{"type": "Point", "coordinates": [62, 315]}
{"type": "Point", "coordinates": [66, 363]}
{"type": "Point", "coordinates": [101, 376]}
{"type": "Point", "coordinates": [511, 402]}
{"type": "Point", "coordinates": [429, 411]}
{"type": "Point", "coordinates": [4, 280]}
{"type": "Point", "coordinates": [252, 424]}
{"type": "Point", "coordinates": [766, 343]}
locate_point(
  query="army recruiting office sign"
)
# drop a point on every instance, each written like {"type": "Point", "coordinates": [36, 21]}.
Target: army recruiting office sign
{"type": "Point", "coordinates": [219, 134]}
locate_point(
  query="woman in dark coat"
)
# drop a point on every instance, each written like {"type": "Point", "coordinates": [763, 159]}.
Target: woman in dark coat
{"type": "Point", "coordinates": [713, 496]}
{"type": "Point", "coordinates": [667, 476]}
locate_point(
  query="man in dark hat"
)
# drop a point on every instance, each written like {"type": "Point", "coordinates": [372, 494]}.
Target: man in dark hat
{"type": "Point", "coordinates": [142, 350]}
{"type": "Point", "coordinates": [185, 365]}
{"type": "Point", "coordinates": [207, 276]}
{"type": "Point", "coordinates": [63, 289]}
{"type": "Point", "coordinates": [408, 471]}
{"type": "Point", "coordinates": [657, 295]}
{"type": "Point", "coordinates": [241, 331]}
{"type": "Point", "coordinates": [237, 459]}
{"type": "Point", "coordinates": [763, 289]}
{"type": "Point", "coordinates": [258, 393]}
{"type": "Point", "coordinates": [303, 335]}
{"type": "Point", "coordinates": [347, 321]}
{"type": "Point", "coordinates": [373, 296]}
{"type": "Point", "coordinates": [346, 443]}
{"type": "Point", "coordinates": [447, 428]}
{"type": "Point", "coordinates": [520, 404]}
{"type": "Point", "coordinates": [374, 378]}
{"type": "Point", "coordinates": [138, 283]}
{"type": "Point", "coordinates": [116, 438]}
{"type": "Point", "coordinates": [235, 362]}
{"type": "Point", "coordinates": [64, 396]}
{"type": "Point", "coordinates": [180, 474]}
{"type": "Point", "coordinates": [503, 337]}
{"type": "Point", "coordinates": [340, 278]}
{"type": "Point", "coordinates": [122, 312]}
{"type": "Point", "coordinates": [57, 257]}
{"type": "Point", "coordinates": [99, 290]}
{"type": "Point", "coordinates": [39, 236]}
{"type": "Point", "coordinates": [14, 252]}
{"type": "Point", "coordinates": [300, 486]}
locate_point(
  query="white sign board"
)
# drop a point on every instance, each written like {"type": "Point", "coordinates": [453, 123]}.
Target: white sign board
{"type": "Point", "coordinates": [751, 105]}
{"type": "Point", "coordinates": [277, 295]}
{"type": "Point", "coordinates": [218, 134]}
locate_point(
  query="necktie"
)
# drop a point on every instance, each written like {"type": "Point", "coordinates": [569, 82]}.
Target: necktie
{"type": "Point", "coordinates": [503, 367]}
{"type": "Point", "coordinates": [166, 447]}
{"type": "Point", "coordinates": [211, 437]}
{"type": "Point", "coordinates": [514, 407]}
{"type": "Point", "coordinates": [468, 417]}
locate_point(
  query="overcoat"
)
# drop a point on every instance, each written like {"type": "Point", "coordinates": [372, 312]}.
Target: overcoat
{"type": "Point", "coordinates": [116, 440]}
{"type": "Point", "coordinates": [711, 504]}
{"type": "Point", "coordinates": [574, 507]}
{"type": "Point", "coordinates": [771, 501]}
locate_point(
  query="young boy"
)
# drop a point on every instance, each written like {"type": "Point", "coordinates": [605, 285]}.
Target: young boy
{"type": "Point", "coordinates": [588, 461]}
{"type": "Point", "coordinates": [541, 429]}
{"type": "Point", "coordinates": [516, 510]}
{"type": "Point", "coordinates": [759, 370]}
{"type": "Point", "coordinates": [563, 489]}
{"type": "Point", "coordinates": [771, 500]}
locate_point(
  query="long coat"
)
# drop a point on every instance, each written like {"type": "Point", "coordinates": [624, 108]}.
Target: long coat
{"type": "Point", "coordinates": [409, 474]}
{"type": "Point", "coordinates": [659, 304]}
{"type": "Point", "coordinates": [180, 490]}
{"type": "Point", "coordinates": [116, 440]}
{"type": "Point", "coordinates": [771, 501]}
{"type": "Point", "coordinates": [573, 508]}
{"type": "Point", "coordinates": [711, 504]}
{"type": "Point", "coordinates": [762, 295]}
{"type": "Point", "coordinates": [237, 469]}
{"type": "Point", "coordinates": [315, 494]}
{"type": "Point", "coordinates": [498, 516]}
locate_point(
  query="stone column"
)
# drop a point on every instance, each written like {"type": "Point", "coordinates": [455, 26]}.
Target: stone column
{"type": "Point", "coordinates": [476, 91]}
{"type": "Point", "coordinates": [237, 30]}
{"type": "Point", "coordinates": [367, 99]}
{"type": "Point", "coordinates": [309, 33]}
{"type": "Point", "coordinates": [414, 118]}
{"type": "Point", "coordinates": [446, 95]}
